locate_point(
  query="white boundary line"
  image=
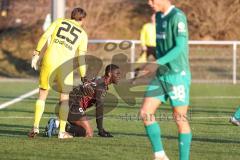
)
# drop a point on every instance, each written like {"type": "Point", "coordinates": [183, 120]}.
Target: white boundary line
{"type": "Point", "coordinates": [21, 117]}
{"type": "Point", "coordinates": [191, 97]}
{"type": "Point", "coordinates": [215, 97]}
{"type": "Point", "coordinates": [208, 97]}
{"type": "Point", "coordinates": [35, 91]}
{"type": "Point", "coordinates": [12, 135]}
{"type": "Point", "coordinates": [18, 99]}
{"type": "Point", "coordinates": [18, 80]}
{"type": "Point", "coordinates": [225, 117]}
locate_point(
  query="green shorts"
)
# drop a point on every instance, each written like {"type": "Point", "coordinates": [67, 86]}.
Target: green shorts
{"type": "Point", "coordinates": [175, 87]}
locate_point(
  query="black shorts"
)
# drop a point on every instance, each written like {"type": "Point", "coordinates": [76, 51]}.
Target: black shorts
{"type": "Point", "coordinates": [76, 113]}
{"type": "Point", "coordinates": [76, 131]}
{"type": "Point", "coordinates": [151, 51]}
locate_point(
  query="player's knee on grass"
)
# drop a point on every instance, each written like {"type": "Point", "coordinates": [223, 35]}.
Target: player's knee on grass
{"type": "Point", "coordinates": [79, 131]}
{"type": "Point", "coordinates": [76, 131]}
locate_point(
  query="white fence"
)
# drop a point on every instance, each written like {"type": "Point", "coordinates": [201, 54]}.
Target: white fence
{"type": "Point", "coordinates": [234, 53]}
{"type": "Point", "coordinates": [232, 44]}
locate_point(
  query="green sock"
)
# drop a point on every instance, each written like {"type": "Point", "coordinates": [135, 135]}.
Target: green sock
{"type": "Point", "coordinates": [237, 114]}
{"type": "Point", "coordinates": [184, 142]}
{"type": "Point", "coordinates": [154, 134]}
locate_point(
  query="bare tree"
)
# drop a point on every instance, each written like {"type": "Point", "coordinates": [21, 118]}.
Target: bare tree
{"type": "Point", "coordinates": [215, 19]}
{"type": "Point", "coordinates": [104, 18]}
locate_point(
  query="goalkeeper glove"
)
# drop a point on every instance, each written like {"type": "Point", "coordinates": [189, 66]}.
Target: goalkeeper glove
{"type": "Point", "coordinates": [35, 60]}
{"type": "Point", "coordinates": [84, 80]}
{"type": "Point", "coordinates": [103, 133]}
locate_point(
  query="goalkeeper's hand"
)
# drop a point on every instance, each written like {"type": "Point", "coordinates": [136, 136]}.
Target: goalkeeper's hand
{"type": "Point", "coordinates": [35, 60]}
{"type": "Point", "coordinates": [144, 48]}
{"type": "Point", "coordinates": [103, 133]}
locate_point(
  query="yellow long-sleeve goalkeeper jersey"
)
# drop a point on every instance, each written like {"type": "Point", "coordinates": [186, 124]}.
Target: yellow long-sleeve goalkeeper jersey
{"type": "Point", "coordinates": [148, 35]}
{"type": "Point", "coordinates": [67, 39]}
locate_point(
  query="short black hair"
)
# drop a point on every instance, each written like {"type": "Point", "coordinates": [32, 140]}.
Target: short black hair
{"type": "Point", "coordinates": [110, 68]}
{"type": "Point", "coordinates": [78, 14]}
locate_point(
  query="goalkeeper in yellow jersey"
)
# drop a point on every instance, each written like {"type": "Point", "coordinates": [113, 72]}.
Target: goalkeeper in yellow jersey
{"type": "Point", "coordinates": [68, 41]}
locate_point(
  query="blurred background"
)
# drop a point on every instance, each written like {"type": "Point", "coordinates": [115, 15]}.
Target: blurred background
{"type": "Point", "coordinates": [214, 59]}
{"type": "Point", "coordinates": [21, 25]}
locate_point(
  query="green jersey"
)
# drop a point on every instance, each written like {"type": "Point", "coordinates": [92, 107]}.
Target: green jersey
{"type": "Point", "coordinates": [172, 41]}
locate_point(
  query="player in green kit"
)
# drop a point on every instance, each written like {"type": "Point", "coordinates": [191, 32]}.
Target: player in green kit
{"type": "Point", "coordinates": [235, 118]}
{"type": "Point", "coordinates": [172, 80]}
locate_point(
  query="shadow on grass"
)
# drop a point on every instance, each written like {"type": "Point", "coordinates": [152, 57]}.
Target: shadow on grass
{"type": "Point", "coordinates": [21, 65]}
{"type": "Point", "coordinates": [14, 126]}
{"type": "Point", "coordinates": [211, 124]}
{"type": "Point", "coordinates": [23, 111]}
{"type": "Point", "coordinates": [12, 130]}
{"type": "Point", "coordinates": [199, 109]}
{"type": "Point", "coordinates": [11, 133]}
{"type": "Point", "coordinates": [27, 99]}
{"type": "Point", "coordinates": [195, 139]}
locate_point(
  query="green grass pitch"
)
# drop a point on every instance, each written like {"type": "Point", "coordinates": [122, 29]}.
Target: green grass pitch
{"type": "Point", "coordinates": [213, 137]}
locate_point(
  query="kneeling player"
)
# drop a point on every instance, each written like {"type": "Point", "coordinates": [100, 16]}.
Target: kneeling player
{"type": "Point", "coordinates": [82, 97]}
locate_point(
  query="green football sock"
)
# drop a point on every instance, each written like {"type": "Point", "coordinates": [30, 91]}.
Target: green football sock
{"type": "Point", "coordinates": [237, 114]}
{"type": "Point", "coordinates": [154, 134]}
{"type": "Point", "coordinates": [184, 142]}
